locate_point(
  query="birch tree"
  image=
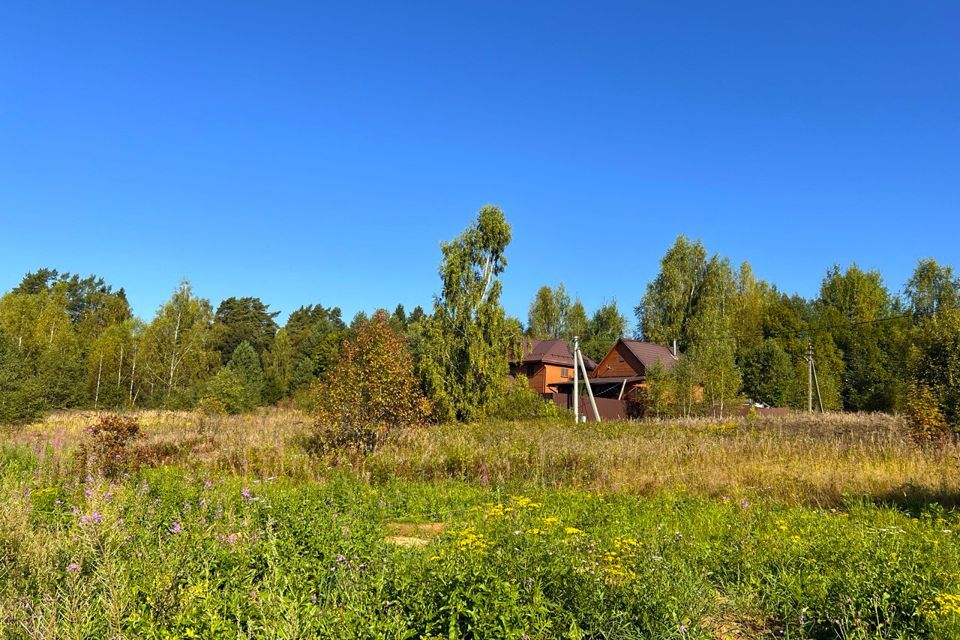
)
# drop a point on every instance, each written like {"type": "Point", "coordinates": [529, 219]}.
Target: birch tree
{"type": "Point", "coordinates": [468, 341]}
{"type": "Point", "coordinates": [176, 352]}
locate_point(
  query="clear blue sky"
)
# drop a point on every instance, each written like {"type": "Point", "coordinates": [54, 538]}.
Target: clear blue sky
{"type": "Point", "coordinates": [311, 153]}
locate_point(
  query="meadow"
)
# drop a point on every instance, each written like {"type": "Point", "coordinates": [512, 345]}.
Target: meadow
{"type": "Point", "coordinates": [833, 526]}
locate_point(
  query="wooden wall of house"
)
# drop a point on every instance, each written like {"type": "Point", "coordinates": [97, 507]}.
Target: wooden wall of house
{"type": "Point", "coordinates": [555, 373]}
{"type": "Point", "coordinates": [541, 376]}
{"type": "Point", "coordinates": [618, 362]}
{"type": "Point", "coordinates": [538, 381]}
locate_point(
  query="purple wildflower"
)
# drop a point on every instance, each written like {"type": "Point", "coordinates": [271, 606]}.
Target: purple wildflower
{"type": "Point", "coordinates": [245, 492]}
{"type": "Point", "coordinates": [73, 566]}
{"type": "Point", "coordinates": [176, 528]}
{"type": "Point", "coordinates": [207, 484]}
{"type": "Point", "coordinates": [93, 518]}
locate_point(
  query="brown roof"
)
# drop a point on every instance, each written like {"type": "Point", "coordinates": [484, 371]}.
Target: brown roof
{"type": "Point", "coordinates": [551, 352]}
{"type": "Point", "coordinates": [650, 354]}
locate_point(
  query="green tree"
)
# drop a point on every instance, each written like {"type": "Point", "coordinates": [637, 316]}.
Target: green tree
{"type": "Point", "coordinates": [246, 364]}
{"type": "Point", "coordinates": [710, 333]}
{"type": "Point", "coordinates": [577, 322]}
{"type": "Point", "coordinates": [110, 360]}
{"type": "Point", "coordinates": [243, 319]}
{"type": "Point", "coordinates": [399, 318]}
{"type": "Point", "coordinates": [278, 368]}
{"type": "Point", "coordinates": [468, 341]}
{"type": "Point", "coordinates": [668, 305]}
{"type": "Point", "coordinates": [19, 313]}
{"type": "Point", "coordinates": [370, 391]}
{"type": "Point", "coordinates": [176, 352]}
{"type": "Point", "coordinates": [857, 311]}
{"type": "Point", "coordinates": [315, 334]}
{"type": "Point", "coordinates": [932, 288]}
{"type": "Point", "coordinates": [225, 392]}
{"type": "Point", "coordinates": [547, 318]}
{"type": "Point", "coordinates": [934, 361]}
{"type": "Point", "coordinates": [768, 374]}
{"type": "Point", "coordinates": [21, 395]}
{"type": "Point", "coordinates": [606, 326]}
{"type": "Point", "coordinates": [359, 318]}
{"type": "Point", "coordinates": [417, 315]}
{"type": "Point", "coordinates": [59, 361]}
{"type": "Point", "coordinates": [89, 300]}
{"type": "Point", "coordinates": [751, 298]}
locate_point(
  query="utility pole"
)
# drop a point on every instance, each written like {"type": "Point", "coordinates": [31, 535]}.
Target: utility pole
{"type": "Point", "coordinates": [593, 403]}
{"type": "Point", "coordinates": [812, 381]}
{"type": "Point", "coordinates": [816, 385]}
{"type": "Point", "coordinates": [576, 382]}
{"type": "Point", "coordinates": [578, 365]}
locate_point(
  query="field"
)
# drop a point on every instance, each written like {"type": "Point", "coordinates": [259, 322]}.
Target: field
{"type": "Point", "coordinates": [798, 527]}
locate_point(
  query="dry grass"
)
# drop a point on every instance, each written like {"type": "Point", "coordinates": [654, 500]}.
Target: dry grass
{"type": "Point", "coordinates": [821, 460]}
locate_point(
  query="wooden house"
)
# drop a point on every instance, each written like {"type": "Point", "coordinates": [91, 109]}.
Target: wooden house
{"type": "Point", "coordinates": [620, 376]}
{"type": "Point", "coordinates": [546, 364]}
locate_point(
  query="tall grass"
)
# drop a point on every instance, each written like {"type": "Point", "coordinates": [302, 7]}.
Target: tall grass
{"type": "Point", "coordinates": [802, 459]}
{"type": "Point", "coordinates": [800, 527]}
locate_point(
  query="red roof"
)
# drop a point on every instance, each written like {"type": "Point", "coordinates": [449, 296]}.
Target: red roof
{"type": "Point", "coordinates": [551, 352]}
{"type": "Point", "coordinates": [650, 354]}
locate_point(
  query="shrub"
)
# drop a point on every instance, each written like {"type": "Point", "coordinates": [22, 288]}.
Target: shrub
{"type": "Point", "coordinates": [519, 401]}
{"type": "Point", "coordinates": [225, 393]}
{"type": "Point", "coordinates": [107, 449]}
{"type": "Point", "coordinates": [369, 392]}
{"type": "Point", "coordinates": [927, 424]}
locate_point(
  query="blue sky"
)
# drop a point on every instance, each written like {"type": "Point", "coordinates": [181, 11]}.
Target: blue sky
{"type": "Point", "coordinates": [314, 153]}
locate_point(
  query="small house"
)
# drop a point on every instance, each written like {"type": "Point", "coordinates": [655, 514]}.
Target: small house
{"type": "Point", "coordinates": [625, 367]}
{"type": "Point", "coordinates": [546, 364]}
{"type": "Point", "coordinates": [617, 381]}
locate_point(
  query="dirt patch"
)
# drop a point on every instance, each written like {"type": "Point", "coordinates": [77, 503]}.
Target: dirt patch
{"type": "Point", "coordinates": [731, 625]}
{"type": "Point", "coordinates": [406, 541]}
{"type": "Point", "coordinates": [413, 534]}
{"type": "Point", "coordinates": [419, 530]}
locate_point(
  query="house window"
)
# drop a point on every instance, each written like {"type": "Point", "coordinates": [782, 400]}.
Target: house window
{"type": "Point", "coordinates": [565, 372]}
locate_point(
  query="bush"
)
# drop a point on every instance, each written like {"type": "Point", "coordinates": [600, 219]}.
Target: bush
{"type": "Point", "coordinates": [519, 401]}
{"type": "Point", "coordinates": [369, 392]}
{"type": "Point", "coordinates": [107, 449]}
{"type": "Point", "coordinates": [926, 421]}
{"type": "Point", "coordinates": [225, 393]}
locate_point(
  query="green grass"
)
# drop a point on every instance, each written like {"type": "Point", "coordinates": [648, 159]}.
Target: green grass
{"type": "Point", "coordinates": [162, 555]}
{"type": "Point", "coordinates": [807, 527]}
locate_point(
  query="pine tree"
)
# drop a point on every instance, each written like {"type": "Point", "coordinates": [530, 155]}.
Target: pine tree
{"type": "Point", "coordinates": [245, 363]}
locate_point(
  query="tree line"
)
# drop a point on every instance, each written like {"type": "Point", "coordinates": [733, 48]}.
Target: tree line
{"type": "Point", "coordinates": [71, 341]}
{"type": "Point", "coordinates": [742, 338]}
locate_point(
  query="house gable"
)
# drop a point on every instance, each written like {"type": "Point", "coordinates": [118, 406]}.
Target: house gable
{"type": "Point", "coordinates": [619, 362]}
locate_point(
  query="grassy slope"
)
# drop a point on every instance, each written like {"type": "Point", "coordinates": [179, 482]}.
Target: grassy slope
{"type": "Point", "coordinates": [537, 530]}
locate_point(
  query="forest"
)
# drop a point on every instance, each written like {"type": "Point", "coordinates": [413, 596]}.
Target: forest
{"type": "Point", "coordinates": [72, 341]}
